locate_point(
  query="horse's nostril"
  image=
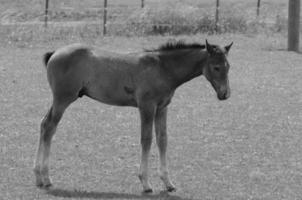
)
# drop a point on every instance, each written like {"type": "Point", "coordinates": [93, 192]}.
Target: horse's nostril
{"type": "Point", "coordinates": [223, 96]}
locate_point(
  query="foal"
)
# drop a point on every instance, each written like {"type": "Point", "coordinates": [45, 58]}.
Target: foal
{"type": "Point", "coordinates": [144, 80]}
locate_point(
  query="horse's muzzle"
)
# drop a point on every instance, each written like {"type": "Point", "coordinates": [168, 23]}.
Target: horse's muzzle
{"type": "Point", "coordinates": [223, 95]}
{"type": "Point", "coordinates": [222, 89]}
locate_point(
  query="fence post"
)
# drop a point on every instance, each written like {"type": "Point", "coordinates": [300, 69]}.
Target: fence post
{"type": "Point", "coordinates": [105, 18]}
{"type": "Point", "coordinates": [143, 4]}
{"type": "Point", "coordinates": [217, 16]}
{"type": "Point", "coordinates": [258, 8]}
{"type": "Point", "coordinates": [46, 13]}
{"type": "Point", "coordinates": [293, 25]}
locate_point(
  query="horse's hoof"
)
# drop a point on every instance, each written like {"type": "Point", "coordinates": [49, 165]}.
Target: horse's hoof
{"type": "Point", "coordinates": [171, 189]}
{"type": "Point", "coordinates": [148, 191]}
{"type": "Point", "coordinates": [39, 184]}
{"type": "Point", "coordinates": [47, 186]}
{"type": "Point", "coordinates": [44, 185]}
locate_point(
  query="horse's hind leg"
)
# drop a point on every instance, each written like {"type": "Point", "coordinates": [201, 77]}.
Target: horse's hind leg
{"type": "Point", "coordinates": [48, 128]}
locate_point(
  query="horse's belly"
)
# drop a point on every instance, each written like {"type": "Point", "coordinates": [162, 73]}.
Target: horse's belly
{"type": "Point", "coordinates": [116, 97]}
{"type": "Point", "coordinates": [109, 85]}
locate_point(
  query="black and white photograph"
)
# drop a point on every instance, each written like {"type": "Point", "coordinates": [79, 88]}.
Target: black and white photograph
{"type": "Point", "coordinates": [150, 99]}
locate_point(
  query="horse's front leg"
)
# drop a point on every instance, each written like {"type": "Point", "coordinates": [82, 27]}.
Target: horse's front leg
{"type": "Point", "coordinates": [162, 140]}
{"type": "Point", "coordinates": [147, 117]}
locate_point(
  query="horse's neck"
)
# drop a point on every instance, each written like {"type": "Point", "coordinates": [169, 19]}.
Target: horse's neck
{"type": "Point", "coordinates": [185, 65]}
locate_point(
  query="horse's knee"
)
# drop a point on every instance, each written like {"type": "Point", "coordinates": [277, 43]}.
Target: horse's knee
{"type": "Point", "coordinates": [146, 140]}
{"type": "Point", "coordinates": [161, 138]}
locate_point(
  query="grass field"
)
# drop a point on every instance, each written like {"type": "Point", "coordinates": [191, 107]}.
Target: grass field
{"type": "Point", "coordinates": [248, 147]}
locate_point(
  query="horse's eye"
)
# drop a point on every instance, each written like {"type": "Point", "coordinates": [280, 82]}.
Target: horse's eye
{"type": "Point", "coordinates": [217, 69]}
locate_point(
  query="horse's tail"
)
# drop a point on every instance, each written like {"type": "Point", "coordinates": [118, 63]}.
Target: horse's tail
{"type": "Point", "coordinates": [47, 56]}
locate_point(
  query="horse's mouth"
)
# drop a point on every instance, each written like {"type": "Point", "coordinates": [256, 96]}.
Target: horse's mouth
{"type": "Point", "coordinates": [222, 98]}
{"type": "Point", "coordinates": [223, 95]}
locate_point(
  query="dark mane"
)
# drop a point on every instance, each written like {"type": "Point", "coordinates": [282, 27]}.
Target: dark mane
{"type": "Point", "coordinates": [175, 45]}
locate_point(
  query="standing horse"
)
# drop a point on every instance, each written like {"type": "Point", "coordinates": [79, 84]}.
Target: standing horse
{"type": "Point", "coordinates": [145, 80]}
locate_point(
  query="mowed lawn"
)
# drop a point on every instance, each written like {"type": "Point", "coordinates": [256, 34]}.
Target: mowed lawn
{"type": "Point", "coordinates": [248, 147]}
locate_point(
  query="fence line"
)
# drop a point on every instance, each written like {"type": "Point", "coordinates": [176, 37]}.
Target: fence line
{"type": "Point", "coordinates": [258, 8]}
{"type": "Point", "coordinates": [105, 13]}
{"type": "Point", "coordinates": [46, 14]}
{"type": "Point", "coordinates": [105, 18]}
{"type": "Point", "coordinates": [143, 4]}
{"type": "Point", "coordinates": [217, 16]}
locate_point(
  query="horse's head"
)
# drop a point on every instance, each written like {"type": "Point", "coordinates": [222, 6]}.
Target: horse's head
{"type": "Point", "coordinates": [217, 68]}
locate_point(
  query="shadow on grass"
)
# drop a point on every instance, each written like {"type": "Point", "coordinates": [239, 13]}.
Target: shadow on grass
{"type": "Point", "coordinates": [110, 195]}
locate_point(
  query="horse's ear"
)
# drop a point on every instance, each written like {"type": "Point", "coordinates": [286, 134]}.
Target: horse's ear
{"type": "Point", "coordinates": [209, 47]}
{"type": "Point", "coordinates": [228, 47]}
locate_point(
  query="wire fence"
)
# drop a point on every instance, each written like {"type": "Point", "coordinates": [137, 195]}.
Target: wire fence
{"type": "Point", "coordinates": [109, 13]}
{"type": "Point", "coordinates": [113, 13]}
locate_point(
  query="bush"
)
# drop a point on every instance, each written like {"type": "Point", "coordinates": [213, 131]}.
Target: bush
{"type": "Point", "coordinates": [178, 19]}
{"type": "Point", "coordinates": [232, 23]}
{"type": "Point", "coordinates": [280, 24]}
